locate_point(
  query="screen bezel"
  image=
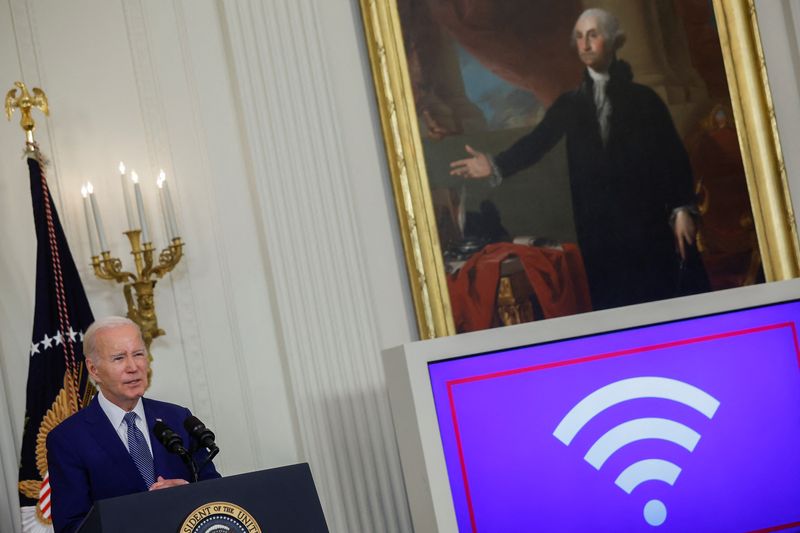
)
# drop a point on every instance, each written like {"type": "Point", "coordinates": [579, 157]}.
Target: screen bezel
{"type": "Point", "coordinates": [411, 396]}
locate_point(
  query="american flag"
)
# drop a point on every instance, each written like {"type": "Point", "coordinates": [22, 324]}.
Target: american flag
{"type": "Point", "coordinates": [57, 380]}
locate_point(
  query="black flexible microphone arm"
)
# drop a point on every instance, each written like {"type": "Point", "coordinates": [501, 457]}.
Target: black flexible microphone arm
{"type": "Point", "coordinates": [174, 444]}
{"type": "Point", "coordinates": [212, 453]}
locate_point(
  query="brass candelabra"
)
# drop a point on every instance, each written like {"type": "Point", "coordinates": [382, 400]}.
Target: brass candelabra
{"type": "Point", "coordinates": [138, 287]}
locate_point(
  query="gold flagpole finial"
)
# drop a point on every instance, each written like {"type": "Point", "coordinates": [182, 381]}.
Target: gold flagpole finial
{"type": "Point", "coordinates": [21, 98]}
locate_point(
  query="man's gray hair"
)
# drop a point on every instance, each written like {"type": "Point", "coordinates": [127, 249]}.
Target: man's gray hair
{"type": "Point", "coordinates": [107, 322]}
{"type": "Point", "coordinates": [607, 23]}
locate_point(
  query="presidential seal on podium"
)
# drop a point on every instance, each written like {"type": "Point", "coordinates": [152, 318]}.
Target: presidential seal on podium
{"type": "Point", "coordinates": [219, 517]}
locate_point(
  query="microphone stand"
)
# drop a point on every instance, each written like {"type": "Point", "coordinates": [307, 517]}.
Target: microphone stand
{"type": "Point", "coordinates": [212, 453]}
{"type": "Point", "coordinates": [187, 459]}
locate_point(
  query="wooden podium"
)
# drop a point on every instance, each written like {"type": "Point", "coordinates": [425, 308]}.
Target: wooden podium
{"type": "Point", "coordinates": [277, 500]}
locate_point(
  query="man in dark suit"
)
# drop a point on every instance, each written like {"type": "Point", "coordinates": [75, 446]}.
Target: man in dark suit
{"type": "Point", "coordinates": [108, 449]}
{"type": "Point", "coordinates": [630, 177]}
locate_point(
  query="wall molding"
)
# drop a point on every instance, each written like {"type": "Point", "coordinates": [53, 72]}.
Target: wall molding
{"type": "Point", "coordinates": [152, 109]}
{"type": "Point", "coordinates": [330, 335]}
{"type": "Point", "coordinates": [9, 465]}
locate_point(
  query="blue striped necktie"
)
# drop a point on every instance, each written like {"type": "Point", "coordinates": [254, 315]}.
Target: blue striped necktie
{"type": "Point", "coordinates": [140, 453]}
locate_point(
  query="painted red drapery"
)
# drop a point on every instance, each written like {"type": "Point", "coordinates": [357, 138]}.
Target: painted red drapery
{"type": "Point", "coordinates": [506, 36]}
{"type": "Point", "coordinates": [557, 277]}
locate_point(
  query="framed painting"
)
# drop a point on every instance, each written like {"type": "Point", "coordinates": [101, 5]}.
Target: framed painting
{"type": "Point", "coordinates": [552, 157]}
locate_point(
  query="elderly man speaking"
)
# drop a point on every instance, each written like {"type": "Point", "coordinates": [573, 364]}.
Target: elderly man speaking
{"type": "Point", "coordinates": [630, 177]}
{"type": "Point", "coordinates": [108, 449]}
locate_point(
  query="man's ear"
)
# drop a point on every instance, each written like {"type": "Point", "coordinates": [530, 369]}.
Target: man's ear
{"type": "Point", "coordinates": [91, 368]}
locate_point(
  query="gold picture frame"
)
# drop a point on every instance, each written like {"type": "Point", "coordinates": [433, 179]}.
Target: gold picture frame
{"type": "Point", "coordinates": [737, 26]}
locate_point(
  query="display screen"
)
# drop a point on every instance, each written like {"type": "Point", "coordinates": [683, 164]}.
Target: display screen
{"type": "Point", "coordinates": [692, 425]}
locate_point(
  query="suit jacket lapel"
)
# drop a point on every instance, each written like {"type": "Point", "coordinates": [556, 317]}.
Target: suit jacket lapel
{"type": "Point", "coordinates": [109, 442]}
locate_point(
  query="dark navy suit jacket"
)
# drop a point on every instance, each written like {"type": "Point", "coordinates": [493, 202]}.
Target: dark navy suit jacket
{"type": "Point", "coordinates": [87, 460]}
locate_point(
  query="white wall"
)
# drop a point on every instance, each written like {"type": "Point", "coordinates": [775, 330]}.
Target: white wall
{"type": "Point", "coordinates": [263, 115]}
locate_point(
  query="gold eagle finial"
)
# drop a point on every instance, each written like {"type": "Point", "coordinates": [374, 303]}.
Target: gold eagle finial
{"type": "Point", "coordinates": [19, 97]}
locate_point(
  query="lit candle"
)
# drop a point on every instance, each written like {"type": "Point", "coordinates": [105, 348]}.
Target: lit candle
{"type": "Point", "coordinates": [98, 221]}
{"type": "Point", "coordinates": [166, 205]}
{"type": "Point", "coordinates": [88, 216]}
{"type": "Point", "coordinates": [137, 192]}
{"type": "Point", "coordinates": [160, 184]}
{"type": "Point", "coordinates": [126, 197]}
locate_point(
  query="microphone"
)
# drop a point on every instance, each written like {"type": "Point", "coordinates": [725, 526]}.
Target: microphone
{"type": "Point", "coordinates": [204, 436]}
{"type": "Point", "coordinates": [174, 444]}
{"type": "Point", "coordinates": [171, 440]}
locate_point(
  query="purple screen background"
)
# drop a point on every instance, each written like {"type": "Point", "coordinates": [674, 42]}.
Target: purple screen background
{"type": "Point", "coordinates": [743, 475]}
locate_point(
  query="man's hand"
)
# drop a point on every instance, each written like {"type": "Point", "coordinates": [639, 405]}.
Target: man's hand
{"type": "Point", "coordinates": [475, 167]}
{"type": "Point", "coordinates": [685, 231]}
{"type": "Point", "coordinates": [162, 483]}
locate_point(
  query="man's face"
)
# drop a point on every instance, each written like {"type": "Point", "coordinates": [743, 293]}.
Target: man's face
{"type": "Point", "coordinates": [121, 367]}
{"type": "Point", "coordinates": [593, 49]}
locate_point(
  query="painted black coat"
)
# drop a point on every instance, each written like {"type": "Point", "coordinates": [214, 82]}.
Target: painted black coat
{"type": "Point", "coordinates": [623, 193]}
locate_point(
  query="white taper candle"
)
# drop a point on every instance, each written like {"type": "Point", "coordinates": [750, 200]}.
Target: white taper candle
{"type": "Point", "coordinates": [98, 220]}
{"type": "Point", "coordinates": [137, 191]}
{"type": "Point", "coordinates": [166, 205]}
{"type": "Point", "coordinates": [160, 185]}
{"type": "Point", "coordinates": [88, 216]}
{"type": "Point", "coordinates": [126, 197]}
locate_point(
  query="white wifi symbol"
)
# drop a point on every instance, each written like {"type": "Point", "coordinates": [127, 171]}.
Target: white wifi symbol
{"type": "Point", "coordinates": [655, 512]}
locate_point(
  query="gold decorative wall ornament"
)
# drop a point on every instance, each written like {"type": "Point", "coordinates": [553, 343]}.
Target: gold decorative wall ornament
{"type": "Point", "coordinates": [20, 98]}
{"type": "Point", "coordinates": [138, 286]}
{"type": "Point", "coordinates": [149, 265]}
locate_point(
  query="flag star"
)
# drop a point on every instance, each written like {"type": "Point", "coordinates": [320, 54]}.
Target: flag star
{"type": "Point", "coordinates": [59, 338]}
{"type": "Point", "coordinates": [81, 336]}
{"type": "Point", "coordinates": [72, 334]}
{"type": "Point", "coordinates": [34, 348]}
{"type": "Point", "coordinates": [47, 342]}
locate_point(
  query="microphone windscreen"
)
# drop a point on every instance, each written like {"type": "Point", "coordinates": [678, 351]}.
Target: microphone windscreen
{"type": "Point", "coordinates": [193, 424]}
{"type": "Point", "coordinates": [199, 431]}
{"type": "Point", "coordinates": [166, 436]}
{"type": "Point", "coordinates": [160, 429]}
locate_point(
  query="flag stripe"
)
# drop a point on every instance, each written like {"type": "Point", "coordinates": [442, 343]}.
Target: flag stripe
{"type": "Point", "coordinates": [44, 496]}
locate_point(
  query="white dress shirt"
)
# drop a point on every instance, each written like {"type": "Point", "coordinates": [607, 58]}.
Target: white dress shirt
{"type": "Point", "coordinates": [116, 416]}
{"type": "Point", "coordinates": [601, 101]}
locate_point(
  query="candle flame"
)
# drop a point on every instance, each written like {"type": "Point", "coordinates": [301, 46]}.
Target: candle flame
{"type": "Point", "coordinates": [162, 177]}
{"type": "Point", "coordinates": [84, 192]}
{"type": "Point", "coordinates": [121, 167]}
{"type": "Point", "coordinates": [134, 176]}
{"type": "Point", "coordinates": [89, 187]}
